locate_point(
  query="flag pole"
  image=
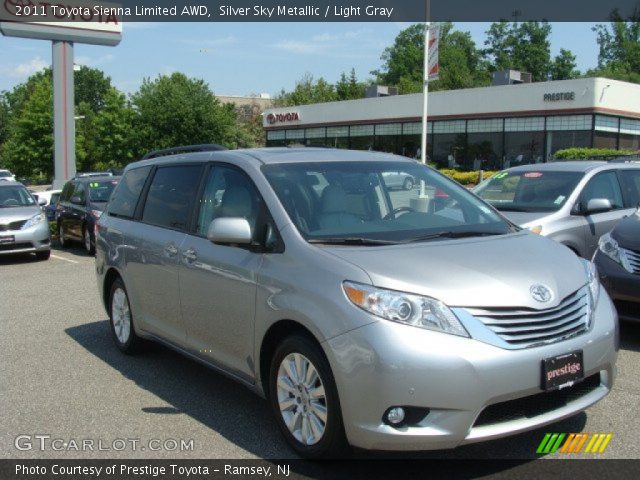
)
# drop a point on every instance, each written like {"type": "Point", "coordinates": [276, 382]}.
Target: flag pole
{"type": "Point", "coordinates": [425, 97]}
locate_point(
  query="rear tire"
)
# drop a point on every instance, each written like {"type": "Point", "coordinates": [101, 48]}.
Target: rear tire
{"type": "Point", "coordinates": [308, 403]}
{"type": "Point", "coordinates": [61, 240]}
{"type": "Point", "coordinates": [408, 184]}
{"type": "Point", "coordinates": [41, 256]}
{"type": "Point", "coordinates": [86, 239]}
{"type": "Point", "coordinates": [122, 328]}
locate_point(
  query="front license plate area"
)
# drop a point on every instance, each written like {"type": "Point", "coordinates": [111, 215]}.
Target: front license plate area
{"type": "Point", "coordinates": [562, 371]}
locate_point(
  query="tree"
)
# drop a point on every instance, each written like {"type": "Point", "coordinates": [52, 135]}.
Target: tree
{"type": "Point", "coordinates": [526, 46]}
{"type": "Point", "coordinates": [307, 92]}
{"type": "Point", "coordinates": [461, 65]}
{"type": "Point", "coordinates": [29, 146]}
{"type": "Point", "coordinates": [619, 48]}
{"type": "Point", "coordinates": [177, 110]}
{"type": "Point", "coordinates": [91, 86]}
{"type": "Point", "coordinates": [564, 66]}
{"type": "Point", "coordinates": [349, 88]}
{"type": "Point", "coordinates": [113, 125]}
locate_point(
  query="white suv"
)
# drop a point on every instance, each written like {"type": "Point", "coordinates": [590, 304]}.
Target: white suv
{"type": "Point", "coordinates": [7, 176]}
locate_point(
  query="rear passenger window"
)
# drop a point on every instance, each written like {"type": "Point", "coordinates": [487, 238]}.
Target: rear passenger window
{"type": "Point", "coordinates": [66, 192]}
{"type": "Point", "coordinates": [171, 196]}
{"type": "Point", "coordinates": [80, 191]}
{"type": "Point", "coordinates": [125, 196]}
{"type": "Point", "coordinates": [631, 186]}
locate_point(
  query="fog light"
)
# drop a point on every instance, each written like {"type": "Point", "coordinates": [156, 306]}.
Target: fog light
{"type": "Point", "coordinates": [395, 415]}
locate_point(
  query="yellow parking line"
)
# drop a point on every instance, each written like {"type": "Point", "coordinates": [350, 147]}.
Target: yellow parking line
{"type": "Point", "coordinates": [62, 258]}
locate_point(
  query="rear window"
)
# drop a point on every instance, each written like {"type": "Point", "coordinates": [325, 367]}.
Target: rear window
{"type": "Point", "coordinates": [125, 196]}
{"type": "Point", "coordinates": [101, 191]}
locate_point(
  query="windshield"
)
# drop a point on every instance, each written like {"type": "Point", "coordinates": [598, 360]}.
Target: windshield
{"type": "Point", "coordinates": [529, 191]}
{"type": "Point", "coordinates": [15, 196]}
{"type": "Point", "coordinates": [5, 174]}
{"type": "Point", "coordinates": [101, 191]}
{"type": "Point", "coordinates": [388, 202]}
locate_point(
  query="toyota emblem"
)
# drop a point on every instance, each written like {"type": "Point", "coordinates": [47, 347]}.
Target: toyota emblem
{"type": "Point", "coordinates": [541, 293]}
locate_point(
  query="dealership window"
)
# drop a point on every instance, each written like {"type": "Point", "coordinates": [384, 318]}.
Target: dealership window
{"type": "Point", "coordinates": [560, 140]}
{"type": "Point", "coordinates": [450, 126]}
{"type": "Point", "coordinates": [449, 150]}
{"type": "Point", "coordinates": [294, 136]}
{"type": "Point", "coordinates": [484, 150]}
{"type": "Point", "coordinates": [315, 136]}
{"type": "Point", "coordinates": [361, 137]}
{"type": "Point", "coordinates": [569, 122]}
{"type": "Point", "coordinates": [387, 137]}
{"type": "Point", "coordinates": [606, 131]}
{"type": "Point", "coordinates": [412, 140]}
{"type": "Point", "coordinates": [275, 138]}
{"type": "Point", "coordinates": [521, 148]}
{"type": "Point", "coordinates": [524, 124]}
{"type": "Point", "coordinates": [338, 137]}
{"type": "Point", "coordinates": [629, 134]}
{"type": "Point", "coordinates": [478, 126]}
{"type": "Point", "coordinates": [415, 128]}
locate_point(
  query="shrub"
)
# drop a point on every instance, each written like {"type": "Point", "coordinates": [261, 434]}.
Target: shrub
{"type": "Point", "coordinates": [466, 178]}
{"type": "Point", "coordinates": [591, 153]}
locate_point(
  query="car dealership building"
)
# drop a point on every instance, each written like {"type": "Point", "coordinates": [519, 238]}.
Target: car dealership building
{"type": "Point", "coordinates": [488, 127]}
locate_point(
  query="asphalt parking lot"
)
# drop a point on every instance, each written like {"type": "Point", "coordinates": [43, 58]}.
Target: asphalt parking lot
{"type": "Point", "coordinates": [63, 377]}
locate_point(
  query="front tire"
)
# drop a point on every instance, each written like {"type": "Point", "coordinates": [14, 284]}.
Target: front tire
{"type": "Point", "coordinates": [124, 333]}
{"type": "Point", "coordinates": [304, 399]}
{"type": "Point", "coordinates": [41, 256]}
{"type": "Point", "coordinates": [408, 184]}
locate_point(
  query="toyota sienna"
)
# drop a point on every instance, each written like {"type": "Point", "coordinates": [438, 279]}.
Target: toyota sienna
{"type": "Point", "coordinates": [366, 315]}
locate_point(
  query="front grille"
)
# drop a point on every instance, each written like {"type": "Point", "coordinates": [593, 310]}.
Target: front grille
{"type": "Point", "coordinates": [6, 227]}
{"type": "Point", "coordinates": [634, 259]}
{"type": "Point", "coordinates": [14, 246]}
{"type": "Point", "coordinates": [527, 327]}
{"type": "Point", "coordinates": [536, 405]}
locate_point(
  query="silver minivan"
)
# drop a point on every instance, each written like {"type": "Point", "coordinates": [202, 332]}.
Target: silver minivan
{"type": "Point", "coordinates": [572, 202]}
{"type": "Point", "coordinates": [376, 317]}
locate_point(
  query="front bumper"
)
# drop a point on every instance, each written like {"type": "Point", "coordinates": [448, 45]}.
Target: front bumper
{"type": "Point", "coordinates": [385, 364]}
{"type": "Point", "coordinates": [30, 240]}
{"type": "Point", "coordinates": [622, 286]}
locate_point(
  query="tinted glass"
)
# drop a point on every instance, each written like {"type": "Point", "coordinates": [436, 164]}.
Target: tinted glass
{"type": "Point", "coordinates": [54, 199]}
{"type": "Point", "coordinates": [603, 185]}
{"type": "Point", "coordinates": [101, 191]}
{"type": "Point", "coordinates": [631, 186]}
{"type": "Point", "coordinates": [66, 191]}
{"type": "Point", "coordinates": [4, 174]}
{"type": "Point", "coordinates": [125, 196]}
{"type": "Point", "coordinates": [171, 195]}
{"type": "Point", "coordinates": [80, 190]}
{"type": "Point", "coordinates": [342, 200]}
{"type": "Point", "coordinates": [228, 193]}
{"type": "Point", "coordinates": [529, 191]}
{"type": "Point", "coordinates": [15, 196]}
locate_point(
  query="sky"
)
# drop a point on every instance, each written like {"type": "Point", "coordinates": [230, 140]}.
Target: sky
{"type": "Point", "coordinates": [250, 58]}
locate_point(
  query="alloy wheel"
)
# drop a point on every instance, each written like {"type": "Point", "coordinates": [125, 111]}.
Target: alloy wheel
{"type": "Point", "coordinates": [121, 315]}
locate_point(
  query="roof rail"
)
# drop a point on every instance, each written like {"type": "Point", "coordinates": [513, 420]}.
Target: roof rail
{"type": "Point", "coordinates": [205, 147]}
{"type": "Point", "coordinates": [624, 159]}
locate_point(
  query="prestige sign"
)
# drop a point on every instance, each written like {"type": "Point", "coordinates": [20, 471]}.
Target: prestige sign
{"type": "Point", "coordinates": [79, 21]}
{"type": "Point", "coordinates": [559, 96]}
{"type": "Point", "coordinates": [284, 117]}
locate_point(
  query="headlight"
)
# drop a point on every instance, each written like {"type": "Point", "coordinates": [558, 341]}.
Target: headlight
{"type": "Point", "coordinates": [608, 245]}
{"type": "Point", "coordinates": [35, 220]}
{"type": "Point", "coordinates": [594, 287]}
{"type": "Point", "coordinates": [96, 213]}
{"type": "Point", "coordinates": [414, 310]}
{"type": "Point", "coordinates": [537, 229]}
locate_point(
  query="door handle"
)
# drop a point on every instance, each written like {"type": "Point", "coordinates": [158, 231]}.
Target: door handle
{"type": "Point", "coordinates": [190, 255]}
{"type": "Point", "coordinates": [171, 250]}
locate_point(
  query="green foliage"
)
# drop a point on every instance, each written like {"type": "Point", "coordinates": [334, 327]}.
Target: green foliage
{"type": "Point", "coordinates": [466, 178]}
{"type": "Point", "coordinates": [177, 110]}
{"type": "Point", "coordinates": [619, 49]}
{"type": "Point", "coordinates": [349, 88]}
{"type": "Point", "coordinates": [591, 153]}
{"type": "Point", "coordinates": [29, 148]}
{"type": "Point", "coordinates": [461, 63]}
{"type": "Point", "coordinates": [525, 46]}
{"type": "Point", "coordinates": [308, 91]}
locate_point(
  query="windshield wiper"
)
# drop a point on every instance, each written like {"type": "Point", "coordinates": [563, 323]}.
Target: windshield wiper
{"type": "Point", "coordinates": [451, 234]}
{"type": "Point", "coordinates": [351, 241]}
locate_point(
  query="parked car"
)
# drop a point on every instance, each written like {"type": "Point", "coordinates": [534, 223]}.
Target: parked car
{"type": "Point", "coordinates": [6, 176]}
{"type": "Point", "coordinates": [81, 203]}
{"type": "Point", "coordinates": [574, 202]}
{"type": "Point", "coordinates": [46, 196]}
{"type": "Point", "coordinates": [50, 209]}
{"type": "Point", "coordinates": [400, 180]}
{"type": "Point", "coordinates": [23, 226]}
{"type": "Point", "coordinates": [618, 262]}
{"type": "Point", "coordinates": [364, 315]}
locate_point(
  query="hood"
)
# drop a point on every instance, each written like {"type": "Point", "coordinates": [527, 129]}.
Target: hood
{"type": "Point", "coordinates": [474, 272]}
{"type": "Point", "coordinates": [15, 214]}
{"type": "Point", "coordinates": [627, 232]}
{"type": "Point", "coordinates": [522, 218]}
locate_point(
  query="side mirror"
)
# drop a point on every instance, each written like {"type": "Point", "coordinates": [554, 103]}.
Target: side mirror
{"type": "Point", "coordinates": [596, 205]}
{"type": "Point", "coordinates": [230, 230]}
{"type": "Point", "coordinates": [42, 201]}
{"type": "Point", "coordinates": [77, 200]}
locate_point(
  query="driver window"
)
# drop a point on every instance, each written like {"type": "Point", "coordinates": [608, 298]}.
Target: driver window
{"type": "Point", "coordinates": [603, 185]}
{"type": "Point", "coordinates": [228, 193]}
